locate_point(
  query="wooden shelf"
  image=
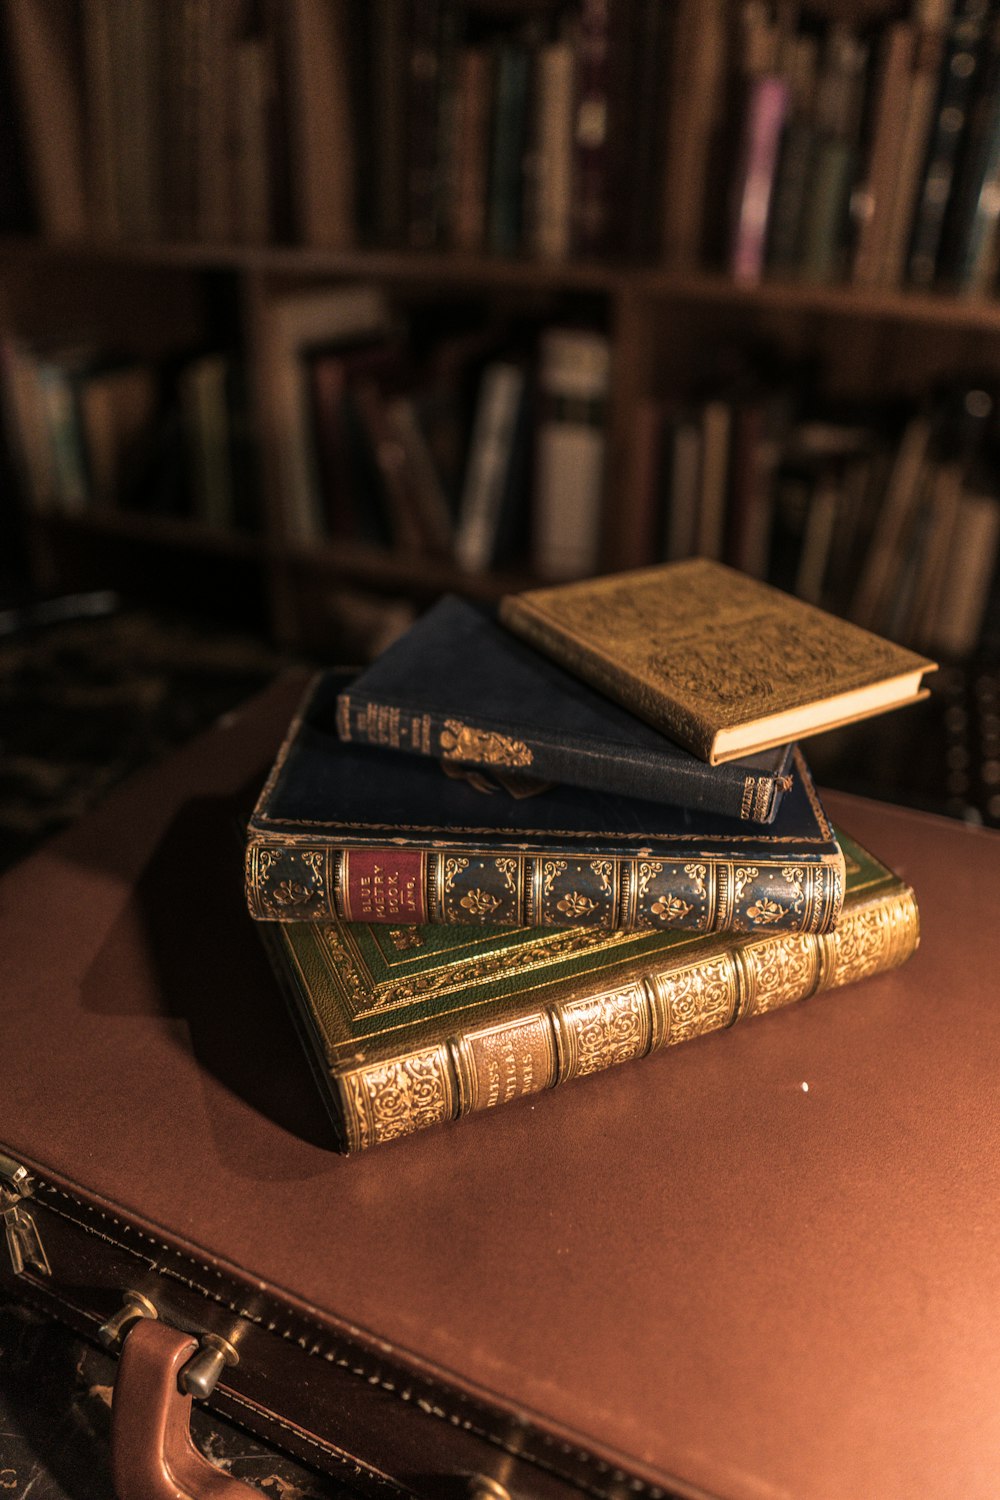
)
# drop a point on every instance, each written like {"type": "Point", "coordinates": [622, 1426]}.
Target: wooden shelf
{"type": "Point", "coordinates": [869, 304]}
{"type": "Point", "coordinates": [401, 570]}
{"type": "Point", "coordinates": [895, 305]}
{"type": "Point", "coordinates": [380, 265]}
{"type": "Point", "coordinates": [160, 530]}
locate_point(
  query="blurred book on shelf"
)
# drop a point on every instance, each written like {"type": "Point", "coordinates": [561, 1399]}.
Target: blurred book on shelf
{"type": "Point", "coordinates": [879, 512]}
{"type": "Point", "coordinates": [95, 432]}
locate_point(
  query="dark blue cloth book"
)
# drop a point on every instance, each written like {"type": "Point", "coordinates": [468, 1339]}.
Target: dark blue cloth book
{"type": "Point", "coordinates": [461, 688]}
{"type": "Point", "coordinates": [371, 836]}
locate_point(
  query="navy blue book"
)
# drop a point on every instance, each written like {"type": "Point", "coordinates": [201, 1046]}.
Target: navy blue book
{"type": "Point", "coordinates": [461, 688]}
{"type": "Point", "coordinates": [366, 835]}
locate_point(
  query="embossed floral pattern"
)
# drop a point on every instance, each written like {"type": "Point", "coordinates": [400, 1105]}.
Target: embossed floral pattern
{"type": "Point", "coordinates": [575, 905]}
{"type": "Point", "coordinates": [291, 893]}
{"type": "Point", "coordinates": [765, 911]}
{"type": "Point", "coordinates": [670, 908]}
{"type": "Point", "coordinates": [480, 903]}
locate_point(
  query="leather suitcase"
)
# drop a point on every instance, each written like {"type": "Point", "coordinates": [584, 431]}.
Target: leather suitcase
{"type": "Point", "coordinates": [762, 1265]}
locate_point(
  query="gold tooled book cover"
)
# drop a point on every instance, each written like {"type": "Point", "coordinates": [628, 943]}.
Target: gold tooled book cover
{"type": "Point", "coordinates": [407, 1027]}
{"type": "Point", "coordinates": [722, 663]}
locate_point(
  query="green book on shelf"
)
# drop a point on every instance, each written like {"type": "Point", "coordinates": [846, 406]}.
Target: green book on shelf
{"type": "Point", "coordinates": [408, 1027]}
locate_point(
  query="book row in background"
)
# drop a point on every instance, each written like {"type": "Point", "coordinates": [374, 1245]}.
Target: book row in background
{"type": "Point", "coordinates": [471, 439]}
{"type": "Point", "coordinates": [92, 430]}
{"type": "Point", "coordinates": [419, 123]}
{"type": "Point", "coordinates": [886, 513]}
{"type": "Point", "coordinates": [865, 151]}
{"type": "Point", "coordinates": [659, 877]}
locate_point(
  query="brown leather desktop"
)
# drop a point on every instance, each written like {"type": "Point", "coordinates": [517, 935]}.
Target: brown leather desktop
{"type": "Point", "coordinates": [764, 1264]}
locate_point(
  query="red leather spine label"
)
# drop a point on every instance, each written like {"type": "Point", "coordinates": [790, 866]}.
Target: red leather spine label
{"type": "Point", "coordinates": [383, 885]}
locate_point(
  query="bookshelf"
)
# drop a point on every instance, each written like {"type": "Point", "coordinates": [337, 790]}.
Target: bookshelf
{"type": "Point", "coordinates": [99, 258]}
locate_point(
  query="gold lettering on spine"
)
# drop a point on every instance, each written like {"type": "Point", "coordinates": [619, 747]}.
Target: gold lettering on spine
{"type": "Point", "coordinates": [435, 888]}
{"type": "Point", "coordinates": [344, 716]}
{"type": "Point", "coordinates": [496, 1064]}
{"type": "Point", "coordinates": [392, 1099]}
{"type": "Point", "coordinates": [533, 914]}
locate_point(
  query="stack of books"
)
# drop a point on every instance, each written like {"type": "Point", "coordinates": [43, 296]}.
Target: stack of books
{"type": "Point", "coordinates": [519, 849]}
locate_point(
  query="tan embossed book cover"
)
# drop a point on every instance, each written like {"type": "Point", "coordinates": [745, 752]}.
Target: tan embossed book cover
{"type": "Point", "coordinates": [722, 663]}
{"type": "Point", "coordinates": [410, 1026]}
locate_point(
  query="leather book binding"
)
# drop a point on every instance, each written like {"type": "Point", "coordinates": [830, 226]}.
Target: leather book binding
{"type": "Point", "coordinates": [406, 1027]}
{"type": "Point", "coordinates": [722, 663]}
{"type": "Point", "coordinates": [460, 688]}
{"type": "Point", "coordinates": [367, 835]}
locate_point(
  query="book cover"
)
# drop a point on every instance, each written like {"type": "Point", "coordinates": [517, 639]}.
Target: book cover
{"type": "Point", "coordinates": [461, 689]}
{"type": "Point", "coordinates": [407, 1027]}
{"type": "Point", "coordinates": [722, 663]}
{"type": "Point", "coordinates": [369, 835]}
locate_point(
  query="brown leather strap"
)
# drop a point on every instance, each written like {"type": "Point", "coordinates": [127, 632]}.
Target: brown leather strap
{"type": "Point", "coordinates": [152, 1454]}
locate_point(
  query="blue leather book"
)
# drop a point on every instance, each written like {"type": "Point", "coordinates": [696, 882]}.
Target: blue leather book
{"type": "Point", "coordinates": [461, 688]}
{"type": "Point", "coordinates": [366, 835]}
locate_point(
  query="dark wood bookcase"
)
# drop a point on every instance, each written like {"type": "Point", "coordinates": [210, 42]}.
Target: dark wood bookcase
{"type": "Point", "coordinates": [660, 313]}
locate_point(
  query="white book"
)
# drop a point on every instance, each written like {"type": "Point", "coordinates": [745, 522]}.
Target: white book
{"type": "Point", "coordinates": [570, 453]}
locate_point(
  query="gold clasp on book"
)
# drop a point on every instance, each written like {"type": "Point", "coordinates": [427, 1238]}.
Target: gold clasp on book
{"type": "Point", "coordinates": [24, 1245]}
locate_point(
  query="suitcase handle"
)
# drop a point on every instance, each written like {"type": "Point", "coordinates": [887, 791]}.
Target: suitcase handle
{"type": "Point", "coordinates": [153, 1456]}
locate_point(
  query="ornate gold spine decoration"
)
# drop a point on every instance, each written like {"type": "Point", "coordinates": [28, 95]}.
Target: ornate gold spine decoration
{"type": "Point", "coordinates": [500, 1061]}
{"type": "Point", "coordinates": [462, 742]}
{"type": "Point", "coordinates": [872, 939]}
{"type": "Point", "coordinates": [390, 1099]}
{"type": "Point", "coordinates": [603, 1030]}
{"type": "Point", "coordinates": [696, 999]}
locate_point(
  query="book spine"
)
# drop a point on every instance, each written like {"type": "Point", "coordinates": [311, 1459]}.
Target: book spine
{"type": "Point", "coordinates": [482, 1067]}
{"type": "Point", "coordinates": [590, 136]}
{"type": "Point", "coordinates": [765, 118]}
{"type": "Point", "coordinates": [362, 720]}
{"type": "Point", "coordinates": [960, 72]}
{"type": "Point", "coordinates": [317, 880]}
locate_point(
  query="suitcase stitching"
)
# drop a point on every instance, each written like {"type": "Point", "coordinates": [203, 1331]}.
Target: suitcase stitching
{"type": "Point", "coordinates": [637, 1486]}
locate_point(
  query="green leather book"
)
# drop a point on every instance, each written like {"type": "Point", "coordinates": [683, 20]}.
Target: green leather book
{"type": "Point", "coordinates": [408, 1027]}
